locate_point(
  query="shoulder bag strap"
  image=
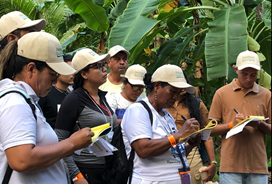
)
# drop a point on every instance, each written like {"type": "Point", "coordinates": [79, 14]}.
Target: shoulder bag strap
{"type": "Point", "coordinates": [27, 98]}
{"type": "Point", "coordinates": [132, 153]}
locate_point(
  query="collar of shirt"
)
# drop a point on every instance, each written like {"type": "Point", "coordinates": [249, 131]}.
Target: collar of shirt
{"type": "Point", "coordinates": [236, 87]}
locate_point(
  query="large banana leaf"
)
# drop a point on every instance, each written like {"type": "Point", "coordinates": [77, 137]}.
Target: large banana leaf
{"type": "Point", "coordinates": [134, 23]}
{"type": "Point", "coordinates": [94, 16]}
{"type": "Point", "coordinates": [227, 37]}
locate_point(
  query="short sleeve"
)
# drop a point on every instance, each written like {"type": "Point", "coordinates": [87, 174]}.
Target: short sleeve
{"type": "Point", "coordinates": [112, 101]}
{"type": "Point", "coordinates": [216, 108]}
{"type": "Point", "coordinates": [204, 113]}
{"type": "Point", "coordinates": [136, 123]}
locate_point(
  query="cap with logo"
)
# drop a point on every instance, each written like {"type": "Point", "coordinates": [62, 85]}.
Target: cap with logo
{"type": "Point", "coordinates": [248, 59]}
{"type": "Point", "coordinates": [116, 49]}
{"type": "Point", "coordinates": [44, 47]}
{"type": "Point", "coordinates": [85, 57]}
{"type": "Point", "coordinates": [174, 76]}
{"type": "Point", "coordinates": [135, 74]}
{"type": "Point", "coordinates": [17, 20]}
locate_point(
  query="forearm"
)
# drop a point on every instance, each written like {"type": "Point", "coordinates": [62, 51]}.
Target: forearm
{"type": "Point", "coordinates": [220, 129]}
{"type": "Point", "coordinates": [188, 148]}
{"type": "Point", "coordinates": [153, 147]}
{"type": "Point", "coordinates": [265, 127]}
{"type": "Point", "coordinates": [36, 158]}
{"type": "Point", "coordinates": [210, 149]}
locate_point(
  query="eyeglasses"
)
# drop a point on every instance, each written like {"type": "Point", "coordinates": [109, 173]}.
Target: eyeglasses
{"type": "Point", "coordinates": [100, 65]}
{"type": "Point", "coordinates": [136, 87]}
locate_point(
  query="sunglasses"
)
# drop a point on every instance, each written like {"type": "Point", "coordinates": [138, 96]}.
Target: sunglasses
{"type": "Point", "coordinates": [100, 65]}
{"type": "Point", "coordinates": [136, 87]}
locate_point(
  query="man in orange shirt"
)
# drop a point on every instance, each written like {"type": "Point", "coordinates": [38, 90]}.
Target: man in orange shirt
{"type": "Point", "coordinates": [243, 156]}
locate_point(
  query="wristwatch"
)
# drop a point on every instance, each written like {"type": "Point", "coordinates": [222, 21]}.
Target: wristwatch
{"type": "Point", "coordinates": [213, 162]}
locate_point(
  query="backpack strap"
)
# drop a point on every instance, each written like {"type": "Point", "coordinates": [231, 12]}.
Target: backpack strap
{"type": "Point", "coordinates": [132, 153]}
{"type": "Point", "coordinates": [32, 106]}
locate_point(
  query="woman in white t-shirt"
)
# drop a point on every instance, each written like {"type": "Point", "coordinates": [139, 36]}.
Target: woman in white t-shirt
{"type": "Point", "coordinates": [28, 144]}
{"type": "Point", "coordinates": [133, 86]}
{"type": "Point", "coordinates": [156, 161]}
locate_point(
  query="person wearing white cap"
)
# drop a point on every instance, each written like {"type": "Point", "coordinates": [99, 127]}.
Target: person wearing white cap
{"type": "Point", "coordinates": [118, 65]}
{"type": "Point", "coordinates": [156, 159]}
{"type": "Point", "coordinates": [243, 155]}
{"type": "Point", "coordinates": [15, 24]}
{"type": "Point", "coordinates": [28, 144]}
{"type": "Point", "coordinates": [190, 106]}
{"type": "Point", "coordinates": [87, 105]}
{"type": "Point", "coordinates": [133, 86]}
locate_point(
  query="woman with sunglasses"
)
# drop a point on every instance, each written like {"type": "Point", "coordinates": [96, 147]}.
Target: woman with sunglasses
{"type": "Point", "coordinates": [88, 107]}
{"type": "Point", "coordinates": [133, 86]}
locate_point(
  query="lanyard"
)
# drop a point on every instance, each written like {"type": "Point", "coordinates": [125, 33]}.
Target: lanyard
{"type": "Point", "coordinates": [182, 157]}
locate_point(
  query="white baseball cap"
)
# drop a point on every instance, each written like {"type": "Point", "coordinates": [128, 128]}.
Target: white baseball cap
{"type": "Point", "coordinates": [17, 20]}
{"type": "Point", "coordinates": [174, 76]}
{"type": "Point", "coordinates": [42, 46]}
{"type": "Point", "coordinates": [135, 74]}
{"type": "Point", "coordinates": [85, 57]}
{"type": "Point", "coordinates": [116, 49]}
{"type": "Point", "coordinates": [248, 59]}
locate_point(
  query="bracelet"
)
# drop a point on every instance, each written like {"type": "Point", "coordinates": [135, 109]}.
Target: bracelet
{"type": "Point", "coordinates": [230, 125]}
{"type": "Point", "coordinates": [213, 162]}
{"type": "Point", "coordinates": [172, 140]}
{"type": "Point", "coordinates": [78, 177]}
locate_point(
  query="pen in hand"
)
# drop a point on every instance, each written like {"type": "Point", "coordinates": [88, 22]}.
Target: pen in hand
{"type": "Point", "coordinates": [236, 111]}
{"type": "Point", "coordinates": [183, 117]}
{"type": "Point", "coordinates": [78, 125]}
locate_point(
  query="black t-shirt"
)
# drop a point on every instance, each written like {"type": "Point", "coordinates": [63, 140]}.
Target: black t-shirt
{"type": "Point", "coordinates": [49, 104]}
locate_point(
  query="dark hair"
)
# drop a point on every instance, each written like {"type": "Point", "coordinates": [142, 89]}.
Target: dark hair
{"type": "Point", "coordinates": [67, 57]}
{"type": "Point", "coordinates": [150, 85]}
{"type": "Point", "coordinates": [78, 79]}
{"type": "Point", "coordinates": [192, 104]}
{"type": "Point", "coordinates": [125, 81]}
{"type": "Point", "coordinates": [4, 41]}
{"type": "Point", "coordinates": [12, 64]}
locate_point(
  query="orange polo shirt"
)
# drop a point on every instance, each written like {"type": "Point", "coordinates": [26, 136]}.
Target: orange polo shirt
{"type": "Point", "coordinates": [244, 152]}
{"type": "Point", "coordinates": [176, 111]}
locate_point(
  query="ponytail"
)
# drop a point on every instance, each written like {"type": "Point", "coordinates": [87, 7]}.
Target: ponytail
{"type": "Point", "coordinates": [7, 60]}
{"type": "Point", "coordinates": [12, 64]}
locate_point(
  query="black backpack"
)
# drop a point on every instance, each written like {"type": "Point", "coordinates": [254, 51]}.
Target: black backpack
{"type": "Point", "coordinates": [27, 98]}
{"type": "Point", "coordinates": [118, 168]}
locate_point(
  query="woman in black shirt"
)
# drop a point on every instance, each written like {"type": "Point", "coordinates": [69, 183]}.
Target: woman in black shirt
{"type": "Point", "coordinates": [87, 105]}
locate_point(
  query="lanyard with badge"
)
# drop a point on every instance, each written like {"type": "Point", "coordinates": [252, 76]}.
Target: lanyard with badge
{"type": "Point", "coordinates": [184, 172]}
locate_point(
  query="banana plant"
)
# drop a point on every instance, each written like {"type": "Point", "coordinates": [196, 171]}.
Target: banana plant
{"type": "Point", "coordinates": [94, 15]}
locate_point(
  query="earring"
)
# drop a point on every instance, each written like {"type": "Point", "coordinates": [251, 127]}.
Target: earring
{"type": "Point", "coordinates": [156, 96]}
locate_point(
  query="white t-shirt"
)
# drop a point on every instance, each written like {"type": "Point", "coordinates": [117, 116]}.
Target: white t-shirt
{"type": "Point", "coordinates": [18, 126]}
{"type": "Point", "coordinates": [136, 125]}
{"type": "Point", "coordinates": [118, 103]}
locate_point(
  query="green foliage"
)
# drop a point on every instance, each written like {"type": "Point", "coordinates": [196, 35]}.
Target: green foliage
{"type": "Point", "coordinates": [227, 37]}
{"type": "Point", "coordinates": [94, 16]}
{"type": "Point", "coordinates": [134, 23]}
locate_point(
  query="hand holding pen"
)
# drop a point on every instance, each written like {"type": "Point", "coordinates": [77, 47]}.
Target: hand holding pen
{"type": "Point", "coordinates": [238, 118]}
{"type": "Point", "coordinates": [190, 126]}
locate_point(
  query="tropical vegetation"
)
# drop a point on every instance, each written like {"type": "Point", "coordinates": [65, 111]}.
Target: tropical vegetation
{"type": "Point", "coordinates": [204, 37]}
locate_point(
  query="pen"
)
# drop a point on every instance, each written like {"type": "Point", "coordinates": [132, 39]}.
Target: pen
{"type": "Point", "coordinates": [236, 111]}
{"type": "Point", "coordinates": [183, 117]}
{"type": "Point", "coordinates": [78, 125]}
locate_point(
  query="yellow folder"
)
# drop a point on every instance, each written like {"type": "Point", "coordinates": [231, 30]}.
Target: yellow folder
{"type": "Point", "coordinates": [100, 131]}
